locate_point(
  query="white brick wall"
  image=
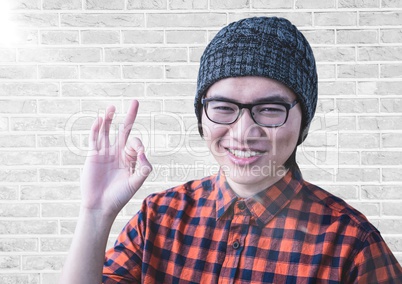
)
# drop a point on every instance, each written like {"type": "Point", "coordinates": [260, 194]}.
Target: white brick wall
{"type": "Point", "coordinates": [68, 59]}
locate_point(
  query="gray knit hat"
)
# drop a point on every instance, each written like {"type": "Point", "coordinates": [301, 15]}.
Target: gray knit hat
{"type": "Point", "coordinates": [267, 47]}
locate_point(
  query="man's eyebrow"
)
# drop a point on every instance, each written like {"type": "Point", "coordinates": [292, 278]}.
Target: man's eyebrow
{"type": "Point", "coordinates": [271, 98]}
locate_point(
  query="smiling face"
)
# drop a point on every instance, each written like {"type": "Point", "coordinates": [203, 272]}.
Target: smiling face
{"type": "Point", "coordinates": [252, 156]}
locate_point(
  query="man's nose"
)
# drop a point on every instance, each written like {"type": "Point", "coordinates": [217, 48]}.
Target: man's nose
{"type": "Point", "coordinates": [245, 127]}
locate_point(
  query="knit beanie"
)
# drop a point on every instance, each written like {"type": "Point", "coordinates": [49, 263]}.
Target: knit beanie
{"type": "Point", "coordinates": [261, 46]}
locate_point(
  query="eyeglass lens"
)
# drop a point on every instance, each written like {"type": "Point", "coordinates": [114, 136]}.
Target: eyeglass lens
{"type": "Point", "coordinates": [269, 114]}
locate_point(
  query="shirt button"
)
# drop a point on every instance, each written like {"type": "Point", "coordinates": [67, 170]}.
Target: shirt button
{"type": "Point", "coordinates": [236, 245]}
{"type": "Point", "coordinates": [241, 206]}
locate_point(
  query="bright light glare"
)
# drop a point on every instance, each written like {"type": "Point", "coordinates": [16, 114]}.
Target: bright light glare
{"type": "Point", "coordinates": [8, 30]}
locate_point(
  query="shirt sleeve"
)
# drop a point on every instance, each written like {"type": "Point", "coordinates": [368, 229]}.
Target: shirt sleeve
{"type": "Point", "coordinates": [375, 263]}
{"type": "Point", "coordinates": [123, 261]}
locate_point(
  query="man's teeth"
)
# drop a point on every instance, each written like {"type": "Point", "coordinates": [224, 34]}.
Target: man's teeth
{"type": "Point", "coordinates": [244, 154]}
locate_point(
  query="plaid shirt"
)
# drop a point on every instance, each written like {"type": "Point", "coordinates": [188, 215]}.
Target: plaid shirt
{"type": "Point", "coordinates": [293, 232]}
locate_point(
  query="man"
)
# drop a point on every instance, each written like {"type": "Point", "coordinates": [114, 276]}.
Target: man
{"type": "Point", "coordinates": [257, 220]}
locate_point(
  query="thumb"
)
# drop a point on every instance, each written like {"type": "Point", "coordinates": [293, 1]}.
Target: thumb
{"type": "Point", "coordinates": [142, 171]}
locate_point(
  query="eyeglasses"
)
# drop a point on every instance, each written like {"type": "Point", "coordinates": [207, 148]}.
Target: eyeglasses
{"type": "Point", "coordinates": [267, 114]}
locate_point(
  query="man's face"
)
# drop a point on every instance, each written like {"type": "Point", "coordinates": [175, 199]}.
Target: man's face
{"type": "Point", "coordinates": [252, 156]}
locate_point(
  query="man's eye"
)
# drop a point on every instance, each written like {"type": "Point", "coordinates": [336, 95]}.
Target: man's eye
{"type": "Point", "coordinates": [271, 109]}
{"type": "Point", "coordinates": [223, 107]}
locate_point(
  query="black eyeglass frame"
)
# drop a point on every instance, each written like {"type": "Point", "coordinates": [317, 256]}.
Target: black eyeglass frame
{"type": "Point", "coordinates": [241, 106]}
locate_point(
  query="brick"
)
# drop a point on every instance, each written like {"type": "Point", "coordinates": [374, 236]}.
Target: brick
{"type": "Point", "coordinates": [147, 106]}
{"type": "Point", "coordinates": [19, 245]}
{"type": "Point", "coordinates": [42, 262]}
{"type": "Point", "coordinates": [389, 226]}
{"type": "Point", "coordinates": [77, 54]}
{"type": "Point", "coordinates": [314, 4]}
{"type": "Point", "coordinates": [179, 106]}
{"type": "Point", "coordinates": [392, 209]}
{"type": "Point", "coordinates": [380, 122]}
{"type": "Point", "coordinates": [143, 36]}
{"type": "Point", "coordinates": [318, 175]}
{"type": "Point", "coordinates": [357, 105]}
{"type": "Point", "coordinates": [59, 175]}
{"type": "Point", "coordinates": [358, 175]}
{"type": "Point", "coordinates": [102, 89]}
{"type": "Point", "coordinates": [391, 175]}
{"type": "Point", "coordinates": [62, 4]}
{"type": "Point", "coordinates": [4, 121]}
{"type": "Point", "coordinates": [378, 88]}
{"type": "Point", "coordinates": [72, 159]}
{"type": "Point", "coordinates": [347, 192]}
{"type": "Point", "coordinates": [145, 54]}
{"type": "Point", "coordinates": [330, 54]}
{"type": "Point", "coordinates": [143, 72]}
{"type": "Point", "coordinates": [386, 192]}
{"type": "Point", "coordinates": [357, 36]}
{"type": "Point", "coordinates": [26, 36]}
{"type": "Point", "coordinates": [359, 140]}
{"type": "Point", "coordinates": [186, 37]}
{"type": "Point", "coordinates": [20, 175]}
{"type": "Point", "coordinates": [181, 71]}
{"type": "Point", "coordinates": [321, 140]}
{"type": "Point", "coordinates": [319, 36]}
{"type": "Point", "coordinates": [97, 106]}
{"type": "Point", "coordinates": [391, 140]}
{"type": "Point", "coordinates": [52, 192]}
{"type": "Point", "coordinates": [380, 53]}
{"type": "Point", "coordinates": [391, 71]}
{"type": "Point", "coordinates": [381, 158]}
{"type": "Point", "coordinates": [57, 72]}
{"type": "Point", "coordinates": [9, 262]}
{"type": "Point", "coordinates": [18, 106]}
{"type": "Point", "coordinates": [29, 89]}
{"type": "Point", "coordinates": [17, 72]}
{"type": "Point", "coordinates": [104, 4]}
{"type": "Point", "coordinates": [188, 4]}
{"type": "Point", "coordinates": [60, 209]}
{"type": "Point", "coordinates": [59, 37]}
{"type": "Point", "coordinates": [100, 37]}
{"type": "Point", "coordinates": [55, 244]}
{"type": "Point", "coordinates": [24, 5]}
{"type": "Point", "coordinates": [326, 71]}
{"type": "Point", "coordinates": [272, 4]}
{"type": "Point", "coordinates": [8, 192]}
{"type": "Point", "coordinates": [170, 89]}
{"type": "Point", "coordinates": [58, 106]}
{"type": "Point", "coordinates": [227, 5]}
{"type": "Point", "coordinates": [391, 105]}
{"type": "Point", "coordinates": [391, 35]}
{"type": "Point", "coordinates": [299, 19]}
{"type": "Point", "coordinates": [358, 71]}
{"type": "Point", "coordinates": [16, 141]}
{"type": "Point", "coordinates": [53, 140]}
{"type": "Point", "coordinates": [385, 18]}
{"type": "Point", "coordinates": [107, 72]}
{"type": "Point", "coordinates": [35, 20]}
{"type": "Point", "coordinates": [335, 18]}
{"type": "Point", "coordinates": [186, 20]}
{"type": "Point", "coordinates": [394, 242]}
{"type": "Point", "coordinates": [37, 124]}
{"type": "Point", "coordinates": [358, 4]}
{"type": "Point", "coordinates": [334, 89]}
{"type": "Point", "coordinates": [195, 53]}
{"type": "Point", "coordinates": [19, 210]}
{"type": "Point", "coordinates": [20, 278]}
{"type": "Point", "coordinates": [145, 4]}
{"type": "Point", "coordinates": [391, 4]}
{"type": "Point", "coordinates": [27, 158]}
{"type": "Point", "coordinates": [28, 227]}
{"type": "Point", "coordinates": [102, 20]}
{"type": "Point", "coordinates": [7, 55]}
{"type": "Point", "coordinates": [367, 208]}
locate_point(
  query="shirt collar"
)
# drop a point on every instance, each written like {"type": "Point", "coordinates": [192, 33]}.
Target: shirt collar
{"type": "Point", "coordinates": [264, 205]}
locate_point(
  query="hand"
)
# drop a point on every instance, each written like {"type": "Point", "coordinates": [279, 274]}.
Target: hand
{"type": "Point", "coordinates": [113, 173]}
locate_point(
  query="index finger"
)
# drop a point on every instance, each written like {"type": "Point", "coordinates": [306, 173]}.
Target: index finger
{"type": "Point", "coordinates": [128, 122]}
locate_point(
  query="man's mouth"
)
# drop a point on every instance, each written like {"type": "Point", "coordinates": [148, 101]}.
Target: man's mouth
{"type": "Point", "coordinates": [244, 154]}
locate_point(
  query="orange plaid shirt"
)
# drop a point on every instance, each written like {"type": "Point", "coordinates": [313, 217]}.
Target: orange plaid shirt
{"type": "Point", "coordinates": [293, 232]}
